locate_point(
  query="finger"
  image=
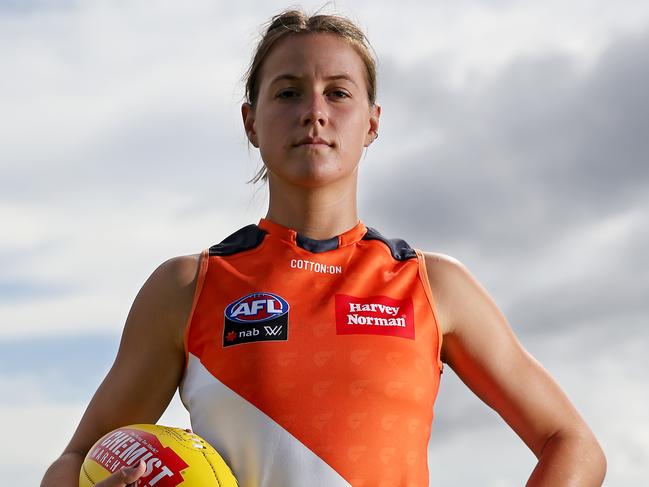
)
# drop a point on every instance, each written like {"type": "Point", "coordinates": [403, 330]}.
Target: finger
{"type": "Point", "coordinates": [124, 476]}
{"type": "Point", "coordinates": [131, 474]}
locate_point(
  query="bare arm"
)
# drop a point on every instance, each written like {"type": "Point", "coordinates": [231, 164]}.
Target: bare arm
{"type": "Point", "coordinates": [147, 370]}
{"type": "Point", "coordinates": [482, 349]}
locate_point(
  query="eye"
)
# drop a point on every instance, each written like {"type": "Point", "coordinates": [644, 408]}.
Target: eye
{"type": "Point", "coordinates": [340, 94]}
{"type": "Point", "coordinates": [287, 93]}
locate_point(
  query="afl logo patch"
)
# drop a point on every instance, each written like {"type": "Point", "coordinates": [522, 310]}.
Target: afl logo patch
{"type": "Point", "coordinates": [256, 317]}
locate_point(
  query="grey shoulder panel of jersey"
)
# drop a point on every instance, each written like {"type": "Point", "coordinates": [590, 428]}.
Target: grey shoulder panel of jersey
{"type": "Point", "coordinates": [245, 238]}
{"type": "Point", "coordinates": [399, 248]}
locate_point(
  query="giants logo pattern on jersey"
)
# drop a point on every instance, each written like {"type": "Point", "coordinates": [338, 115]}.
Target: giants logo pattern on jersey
{"type": "Point", "coordinates": [256, 317]}
{"type": "Point", "coordinates": [375, 315]}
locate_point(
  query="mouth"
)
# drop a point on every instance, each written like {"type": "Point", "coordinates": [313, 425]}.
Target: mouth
{"type": "Point", "coordinates": [314, 146]}
{"type": "Point", "coordinates": [312, 142]}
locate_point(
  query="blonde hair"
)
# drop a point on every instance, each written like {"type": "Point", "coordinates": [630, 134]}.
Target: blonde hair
{"type": "Point", "coordinates": [296, 22]}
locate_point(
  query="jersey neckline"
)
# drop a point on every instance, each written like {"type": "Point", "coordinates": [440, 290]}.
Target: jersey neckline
{"type": "Point", "coordinates": [349, 237]}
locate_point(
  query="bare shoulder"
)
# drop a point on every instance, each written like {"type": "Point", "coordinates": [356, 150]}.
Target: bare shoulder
{"type": "Point", "coordinates": [169, 292]}
{"type": "Point", "coordinates": [452, 285]}
{"type": "Point", "coordinates": [173, 280]}
{"type": "Point", "coordinates": [177, 271]}
{"type": "Point", "coordinates": [441, 264]}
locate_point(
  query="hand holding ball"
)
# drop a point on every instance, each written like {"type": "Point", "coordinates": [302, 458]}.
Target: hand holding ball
{"type": "Point", "coordinates": [171, 457]}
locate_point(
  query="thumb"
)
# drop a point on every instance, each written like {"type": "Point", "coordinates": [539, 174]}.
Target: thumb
{"type": "Point", "coordinates": [131, 474]}
{"type": "Point", "coordinates": [124, 476]}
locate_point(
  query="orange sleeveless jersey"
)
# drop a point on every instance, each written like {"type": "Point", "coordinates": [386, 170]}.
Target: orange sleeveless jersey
{"type": "Point", "coordinates": [314, 362]}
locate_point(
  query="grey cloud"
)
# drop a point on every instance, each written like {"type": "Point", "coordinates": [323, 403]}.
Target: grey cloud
{"type": "Point", "coordinates": [190, 153]}
{"type": "Point", "coordinates": [608, 301]}
{"type": "Point", "coordinates": [615, 290]}
{"type": "Point", "coordinates": [537, 149]}
{"type": "Point", "coordinates": [53, 364]}
{"type": "Point", "coordinates": [29, 6]}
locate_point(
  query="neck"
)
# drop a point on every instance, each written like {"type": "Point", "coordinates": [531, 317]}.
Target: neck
{"type": "Point", "coordinates": [318, 213]}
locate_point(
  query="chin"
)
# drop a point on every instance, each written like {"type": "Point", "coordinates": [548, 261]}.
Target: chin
{"type": "Point", "coordinates": [314, 175]}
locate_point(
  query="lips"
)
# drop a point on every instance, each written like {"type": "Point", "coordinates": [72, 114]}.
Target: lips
{"type": "Point", "coordinates": [312, 141]}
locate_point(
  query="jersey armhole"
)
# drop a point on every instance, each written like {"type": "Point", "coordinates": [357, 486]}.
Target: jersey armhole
{"type": "Point", "coordinates": [423, 276]}
{"type": "Point", "coordinates": [200, 280]}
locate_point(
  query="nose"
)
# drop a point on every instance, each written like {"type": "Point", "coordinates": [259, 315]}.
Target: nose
{"type": "Point", "coordinates": [315, 111]}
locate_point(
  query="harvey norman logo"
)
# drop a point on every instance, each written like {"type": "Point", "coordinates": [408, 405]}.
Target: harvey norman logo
{"type": "Point", "coordinates": [375, 315]}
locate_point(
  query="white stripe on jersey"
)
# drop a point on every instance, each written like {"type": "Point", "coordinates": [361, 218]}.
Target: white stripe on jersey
{"type": "Point", "coordinates": [258, 450]}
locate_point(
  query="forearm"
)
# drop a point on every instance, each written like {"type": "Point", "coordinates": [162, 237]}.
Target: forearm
{"type": "Point", "coordinates": [570, 460]}
{"type": "Point", "coordinates": [64, 472]}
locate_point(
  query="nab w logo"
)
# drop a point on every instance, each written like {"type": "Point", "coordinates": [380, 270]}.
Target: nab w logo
{"type": "Point", "coordinates": [273, 330]}
{"type": "Point", "coordinates": [256, 317]}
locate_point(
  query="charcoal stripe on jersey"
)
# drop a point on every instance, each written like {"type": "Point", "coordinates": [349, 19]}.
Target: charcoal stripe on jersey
{"type": "Point", "coordinates": [316, 246]}
{"type": "Point", "coordinates": [399, 249]}
{"type": "Point", "coordinates": [245, 238]}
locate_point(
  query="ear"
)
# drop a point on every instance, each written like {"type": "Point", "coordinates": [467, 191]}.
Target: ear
{"type": "Point", "coordinates": [373, 132]}
{"type": "Point", "coordinates": [248, 115]}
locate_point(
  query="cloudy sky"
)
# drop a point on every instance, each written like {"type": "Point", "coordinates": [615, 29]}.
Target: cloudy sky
{"type": "Point", "coordinates": [515, 137]}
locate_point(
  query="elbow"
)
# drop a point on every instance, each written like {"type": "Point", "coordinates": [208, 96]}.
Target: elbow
{"type": "Point", "coordinates": [599, 460]}
{"type": "Point", "coordinates": [593, 458]}
{"type": "Point", "coordinates": [593, 455]}
{"type": "Point", "coordinates": [572, 457]}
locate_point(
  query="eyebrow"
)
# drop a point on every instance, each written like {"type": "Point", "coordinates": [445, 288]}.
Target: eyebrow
{"type": "Point", "coordinates": [293, 77]}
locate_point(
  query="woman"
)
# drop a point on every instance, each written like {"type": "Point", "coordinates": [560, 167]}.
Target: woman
{"type": "Point", "coordinates": [308, 348]}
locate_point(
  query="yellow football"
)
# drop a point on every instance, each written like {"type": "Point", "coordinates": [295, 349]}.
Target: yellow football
{"type": "Point", "coordinates": [173, 457]}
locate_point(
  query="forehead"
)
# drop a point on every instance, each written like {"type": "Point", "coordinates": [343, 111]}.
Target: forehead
{"type": "Point", "coordinates": [313, 55]}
